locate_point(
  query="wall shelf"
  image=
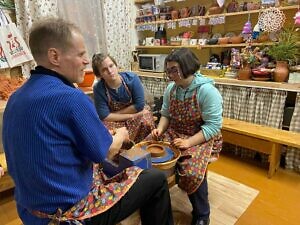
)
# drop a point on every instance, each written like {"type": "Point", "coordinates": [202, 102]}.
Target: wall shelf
{"type": "Point", "coordinates": [234, 82]}
{"type": "Point", "coordinates": [168, 46]}
{"type": "Point", "coordinates": [284, 8]}
{"type": "Point", "coordinates": [142, 1]}
{"type": "Point", "coordinates": [203, 46]}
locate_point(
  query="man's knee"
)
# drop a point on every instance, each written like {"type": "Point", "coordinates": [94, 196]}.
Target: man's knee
{"type": "Point", "coordinates": [154, 175]}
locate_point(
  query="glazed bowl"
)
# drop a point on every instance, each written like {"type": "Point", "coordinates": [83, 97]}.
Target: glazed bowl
{"type": "Point", "coordinates": [260, 73]}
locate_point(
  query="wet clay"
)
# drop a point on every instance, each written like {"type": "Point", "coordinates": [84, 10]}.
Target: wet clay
{"type": "Point", "coordinates": [156, 150]}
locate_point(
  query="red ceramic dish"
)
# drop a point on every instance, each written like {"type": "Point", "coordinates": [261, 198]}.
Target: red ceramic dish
{"type": "Point", "coordinates": [258, 72]}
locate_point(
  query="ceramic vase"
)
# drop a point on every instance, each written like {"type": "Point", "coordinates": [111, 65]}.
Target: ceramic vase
{"type": "Point", "coordinates": [244, 73]}
{"type": "Point", "coordinates": [281, 72]}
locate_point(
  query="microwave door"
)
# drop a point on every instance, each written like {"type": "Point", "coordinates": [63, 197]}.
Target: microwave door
{"type": "Point", "coordinates": [146, 63]}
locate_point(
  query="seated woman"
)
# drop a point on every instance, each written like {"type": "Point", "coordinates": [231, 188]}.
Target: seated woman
{"type": "Point", "coordinates": [119, 99]}
{"type": "Point", "coordinates": [191, 119]}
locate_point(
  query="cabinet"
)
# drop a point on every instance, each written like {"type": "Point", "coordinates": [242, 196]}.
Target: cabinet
{"type": "Point", "coordinates": [234, 23]}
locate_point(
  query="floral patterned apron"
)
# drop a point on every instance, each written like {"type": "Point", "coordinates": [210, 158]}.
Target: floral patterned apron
{"type": "Point", "coordinates": [105, 192]}
{"type": "Point", "coordinates": [138, 127]}
{"type": "Point", "coordinates": [186, 121]}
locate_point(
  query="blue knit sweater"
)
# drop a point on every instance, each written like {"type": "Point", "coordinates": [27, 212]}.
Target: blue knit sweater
{"type": "Point", "coordinates": [51, 136]}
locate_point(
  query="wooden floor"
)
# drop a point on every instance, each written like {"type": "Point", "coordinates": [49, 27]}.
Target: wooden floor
{"type": "Point", "coordinates": [278, 201]}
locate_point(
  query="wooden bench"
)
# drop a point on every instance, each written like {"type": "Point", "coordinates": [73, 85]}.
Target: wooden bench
{"type": "Point", "coordinates": [259, 138]}
{"type": "Point", "coordinates": [6, 181]}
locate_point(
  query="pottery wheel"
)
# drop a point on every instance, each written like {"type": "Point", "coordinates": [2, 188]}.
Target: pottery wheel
{"type": "Point", "coordinates": [159, 152]}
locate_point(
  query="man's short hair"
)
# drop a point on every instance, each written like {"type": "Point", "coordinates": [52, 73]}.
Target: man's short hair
{"type": "Point", "coordinates": [50, 33]}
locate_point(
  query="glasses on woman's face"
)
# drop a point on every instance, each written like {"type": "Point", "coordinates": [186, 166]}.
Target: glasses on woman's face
{"type": "Point", "coordinates": [174, 70]}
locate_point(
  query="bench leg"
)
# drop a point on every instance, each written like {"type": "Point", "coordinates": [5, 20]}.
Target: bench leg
{"type": "Point", "coordinates": [274, 159]}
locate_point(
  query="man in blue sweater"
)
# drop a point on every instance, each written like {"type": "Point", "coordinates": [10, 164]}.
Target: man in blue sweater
{"type": "Point", "coordinates": [53, 141]}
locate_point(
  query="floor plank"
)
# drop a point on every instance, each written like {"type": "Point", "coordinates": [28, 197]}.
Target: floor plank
{"type": "Point", "coordinates": [228, 200]}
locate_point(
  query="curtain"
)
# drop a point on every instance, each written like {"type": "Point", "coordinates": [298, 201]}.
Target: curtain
{"type": "Point", "coordinates": [89, 17]}
{"type": "Point", "coordinates": [29, 11]}
{"type": "Point", "coordinates": [120, 33]}
{"type": "Point", "coordinates": [156, 86]}
{"type": "Point", "coordinates": [293, 155]}
{"type": "Point", "coordinates": [255, 105]}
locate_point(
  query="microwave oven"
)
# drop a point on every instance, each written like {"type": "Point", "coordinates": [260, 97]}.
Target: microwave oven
{"type": "Point", "coordinates": [152, 62]}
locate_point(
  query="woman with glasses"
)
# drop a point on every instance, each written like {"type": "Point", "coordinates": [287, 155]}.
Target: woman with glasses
{"type": "Point", "coordinates": [191, 119]}
{"type": "Point", "coordinates": [119, 99]}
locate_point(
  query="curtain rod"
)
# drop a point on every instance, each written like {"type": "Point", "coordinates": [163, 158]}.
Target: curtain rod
{"type": "Point", "coordinates": [254, 86]}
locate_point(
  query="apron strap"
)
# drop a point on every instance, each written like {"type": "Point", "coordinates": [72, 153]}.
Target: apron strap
{"type": "Point", "coordinates": [56, 218]}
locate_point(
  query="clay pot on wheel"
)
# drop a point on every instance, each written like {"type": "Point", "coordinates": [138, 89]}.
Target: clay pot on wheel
{"type": "Point", "coordinates": [156, 150]}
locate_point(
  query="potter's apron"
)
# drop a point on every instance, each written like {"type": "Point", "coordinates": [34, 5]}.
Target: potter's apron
{"type": "Point", "coordinates": [186, 121]}
{"type": "Point", "coordinates": [104, 193]}
{"type": "Point", "coordinates": [138, 127]}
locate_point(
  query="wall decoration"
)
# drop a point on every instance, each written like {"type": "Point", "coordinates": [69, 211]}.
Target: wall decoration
{"type": "Point", "coordinates": [272, 19]}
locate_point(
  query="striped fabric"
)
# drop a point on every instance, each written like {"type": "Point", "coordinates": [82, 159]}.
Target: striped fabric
{"type": "Point", "coordinates": [292, 158]}
{"type": "Point", "coordinates": [255, 105]}
{"type": "Point", "coordinates": [156, 86]}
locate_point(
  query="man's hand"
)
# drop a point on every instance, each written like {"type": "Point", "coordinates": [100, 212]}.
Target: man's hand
{"type": "Point", "coordinates": [122, 132]}
{"type": "Point", "coordinates": [121, 135]}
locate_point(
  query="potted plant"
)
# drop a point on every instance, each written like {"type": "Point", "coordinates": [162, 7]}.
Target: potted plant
{"type": "Point", "coordinates": [285, 50]}
{"type": "Point", "coordinates": [247, 59]}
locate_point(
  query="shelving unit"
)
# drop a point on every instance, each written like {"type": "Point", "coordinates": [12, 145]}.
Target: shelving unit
{"type": "Point", "coordinates": [284, 8]}
{"type": "Point", "coordinates": [142, 1]}
{"type": "Point", "coordinates": [234, 23]}
{"type": "Point", "coordinates": [204, 46]}
{"type": "Point", "coordinates": [235, 82]}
